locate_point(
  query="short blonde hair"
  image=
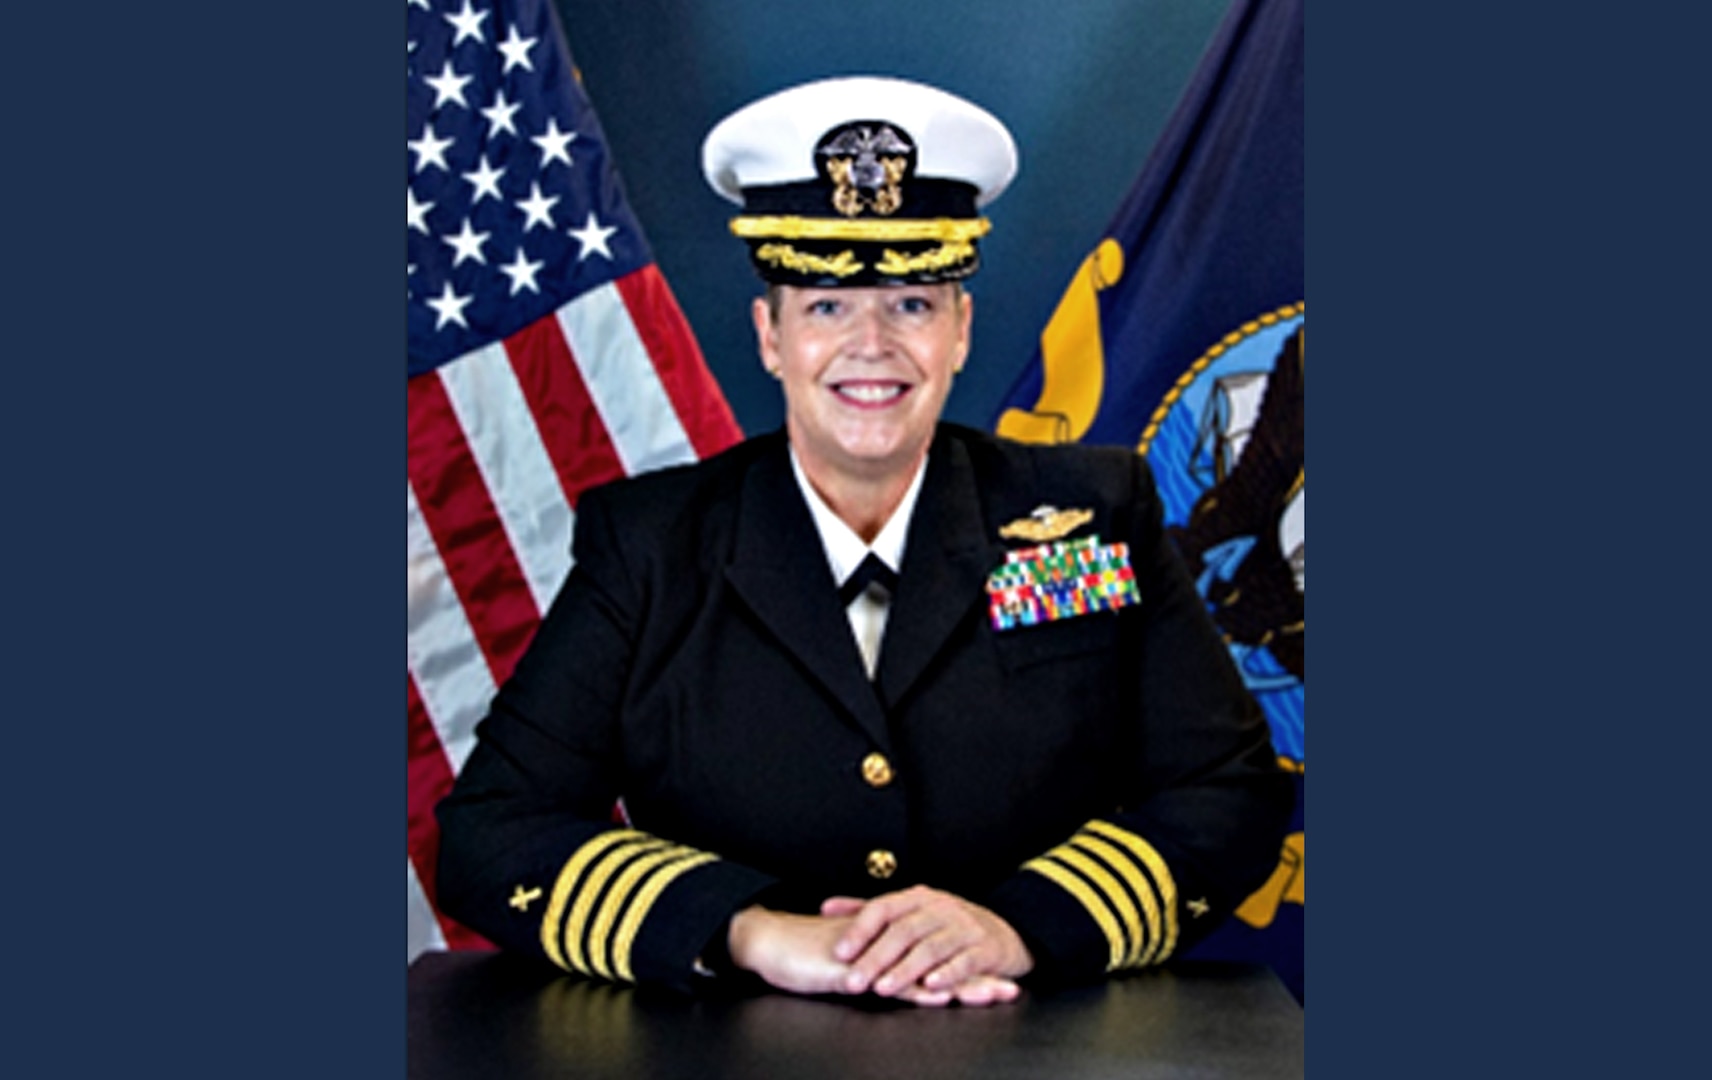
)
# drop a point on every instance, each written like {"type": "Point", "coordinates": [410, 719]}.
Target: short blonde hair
{"type": "Point", "coordinates": [774, 294]}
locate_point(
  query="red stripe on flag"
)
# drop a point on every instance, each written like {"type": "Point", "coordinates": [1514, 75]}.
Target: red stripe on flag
{"type": "Point", "coordinates": [429, 779]}
{"type": "Point", "coordinates": [466, 528]}
{"type": "Point", "coordinates": [701, 408]}
{"type": "Point", "coordinates": [571, 429]}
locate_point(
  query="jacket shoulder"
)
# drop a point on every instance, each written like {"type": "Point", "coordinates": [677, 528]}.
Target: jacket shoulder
{"type": "Point", "coordinates": [662, 498]}
{"type": "Point", "coordinates": [1002, 462]}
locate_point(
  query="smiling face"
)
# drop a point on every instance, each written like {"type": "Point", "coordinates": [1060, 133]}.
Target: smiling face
{"type": "Point", "coordinates": [865, 371]}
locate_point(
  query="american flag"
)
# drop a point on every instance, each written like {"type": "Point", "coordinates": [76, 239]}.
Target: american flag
{"type": "Point", "coordinates": [546, 355]}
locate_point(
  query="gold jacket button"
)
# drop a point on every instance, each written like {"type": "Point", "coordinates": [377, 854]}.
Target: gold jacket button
{"type": "Point", "coordinates": [882, 863]}
{"type": "Point", "coordinates": [876, 770]}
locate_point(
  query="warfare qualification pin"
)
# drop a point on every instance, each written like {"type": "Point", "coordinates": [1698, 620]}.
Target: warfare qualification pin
{"type": "Point", "coordinates": [1046, 523]}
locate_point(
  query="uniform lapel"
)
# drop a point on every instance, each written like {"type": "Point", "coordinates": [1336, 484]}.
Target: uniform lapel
{"type": "Point", "coordinates": [779, 569]}
{"type": "Point", "coordinates": [946, 561]}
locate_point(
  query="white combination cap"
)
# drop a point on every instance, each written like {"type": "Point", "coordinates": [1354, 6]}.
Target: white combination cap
{"type": "Point", "coordinates": [860, 180]}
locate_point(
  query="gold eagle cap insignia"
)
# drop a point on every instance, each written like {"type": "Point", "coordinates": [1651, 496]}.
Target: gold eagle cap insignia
{"type": "Point", "coordinates": [1046, 523]}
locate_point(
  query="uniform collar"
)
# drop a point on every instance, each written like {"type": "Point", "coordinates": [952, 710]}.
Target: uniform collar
{"type": "Point", "coordinates": [844, 549]}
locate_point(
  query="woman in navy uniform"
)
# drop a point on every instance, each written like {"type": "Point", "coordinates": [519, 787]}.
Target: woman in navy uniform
{"type": "Point", "coordinates": [883, 704]}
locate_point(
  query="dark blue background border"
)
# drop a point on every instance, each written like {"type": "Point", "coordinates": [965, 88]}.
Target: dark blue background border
{"type": "Point", "coordinates": [204, 438]}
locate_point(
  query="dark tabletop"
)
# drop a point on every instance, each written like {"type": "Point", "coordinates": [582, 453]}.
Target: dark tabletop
{"type": "Point", "coordinates": [494, 1015]}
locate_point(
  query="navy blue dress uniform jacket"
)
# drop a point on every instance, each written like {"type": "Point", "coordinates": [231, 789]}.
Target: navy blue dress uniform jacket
{"type": "Point", "coordinates": [1103, 782]}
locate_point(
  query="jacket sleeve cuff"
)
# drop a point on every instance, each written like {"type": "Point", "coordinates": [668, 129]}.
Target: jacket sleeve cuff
{"type": "Point", "coordinates": [631, 907]}
{"type": "Point", "coordinates": [1102, 901]}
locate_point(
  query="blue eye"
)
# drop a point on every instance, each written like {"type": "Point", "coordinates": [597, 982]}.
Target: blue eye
{"type": "Point", "coordinates": [823, 307]}
{"type": "Point", "coordinates": [915, 305]}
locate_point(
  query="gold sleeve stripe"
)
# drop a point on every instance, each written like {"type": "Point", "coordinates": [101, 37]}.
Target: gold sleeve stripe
{"type": "Point", "coordinates": [790, 227]}
{"type": "Point", "coordinates": [613, 901]}
{"type": "Point", "coordinates": [1075, 886]}
{"type": "Point", "coordinates": [1139, 885]}
{"type": "Point", "coordinates": [1164, 883]}
{"type": "Point", "coordinates": [596, 885]}
{"type": "Point", "coordinates": [550, 920]}
{"type": "Point", "coordinates": [1117, 899]}
{"type": "Point", "coordinates": [644, 901]}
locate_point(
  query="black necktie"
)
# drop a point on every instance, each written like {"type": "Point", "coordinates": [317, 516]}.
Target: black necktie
{"type": "Point", "coordinates": [873, 571]}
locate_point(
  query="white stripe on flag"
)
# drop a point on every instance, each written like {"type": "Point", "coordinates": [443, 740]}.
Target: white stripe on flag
{"type": "Point", "coordinates": [421, 929]}
{"type": "Point", "coordinates": [500, 430]}
{"type": "Point", "coordinates": [444, 657]}
{"type": "Point", "coordinates": [622, 382]}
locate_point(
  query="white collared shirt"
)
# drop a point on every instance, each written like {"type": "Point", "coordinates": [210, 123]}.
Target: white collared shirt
{"type": "Point", "coordinates": [845, 552]}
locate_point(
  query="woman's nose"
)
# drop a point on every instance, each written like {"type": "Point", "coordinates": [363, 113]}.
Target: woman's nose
{"type": "Point", "coordinates": [869, 332]}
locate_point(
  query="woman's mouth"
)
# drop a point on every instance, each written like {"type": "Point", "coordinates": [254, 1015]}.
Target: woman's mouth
{"type": "Point", "coordinates": [870, 394]}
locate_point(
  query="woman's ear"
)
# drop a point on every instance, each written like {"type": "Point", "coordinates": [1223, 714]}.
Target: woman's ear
{"type": "Point", "coordinates": [766, 335]}
{"type": "Point", "coordinates": [967, 315]}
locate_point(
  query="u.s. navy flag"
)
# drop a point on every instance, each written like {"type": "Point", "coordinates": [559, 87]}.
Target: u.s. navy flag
{"type": "Point", "coordinates": [1182, 334]}
{"type": "Point", "coordinates": [546, 355]}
